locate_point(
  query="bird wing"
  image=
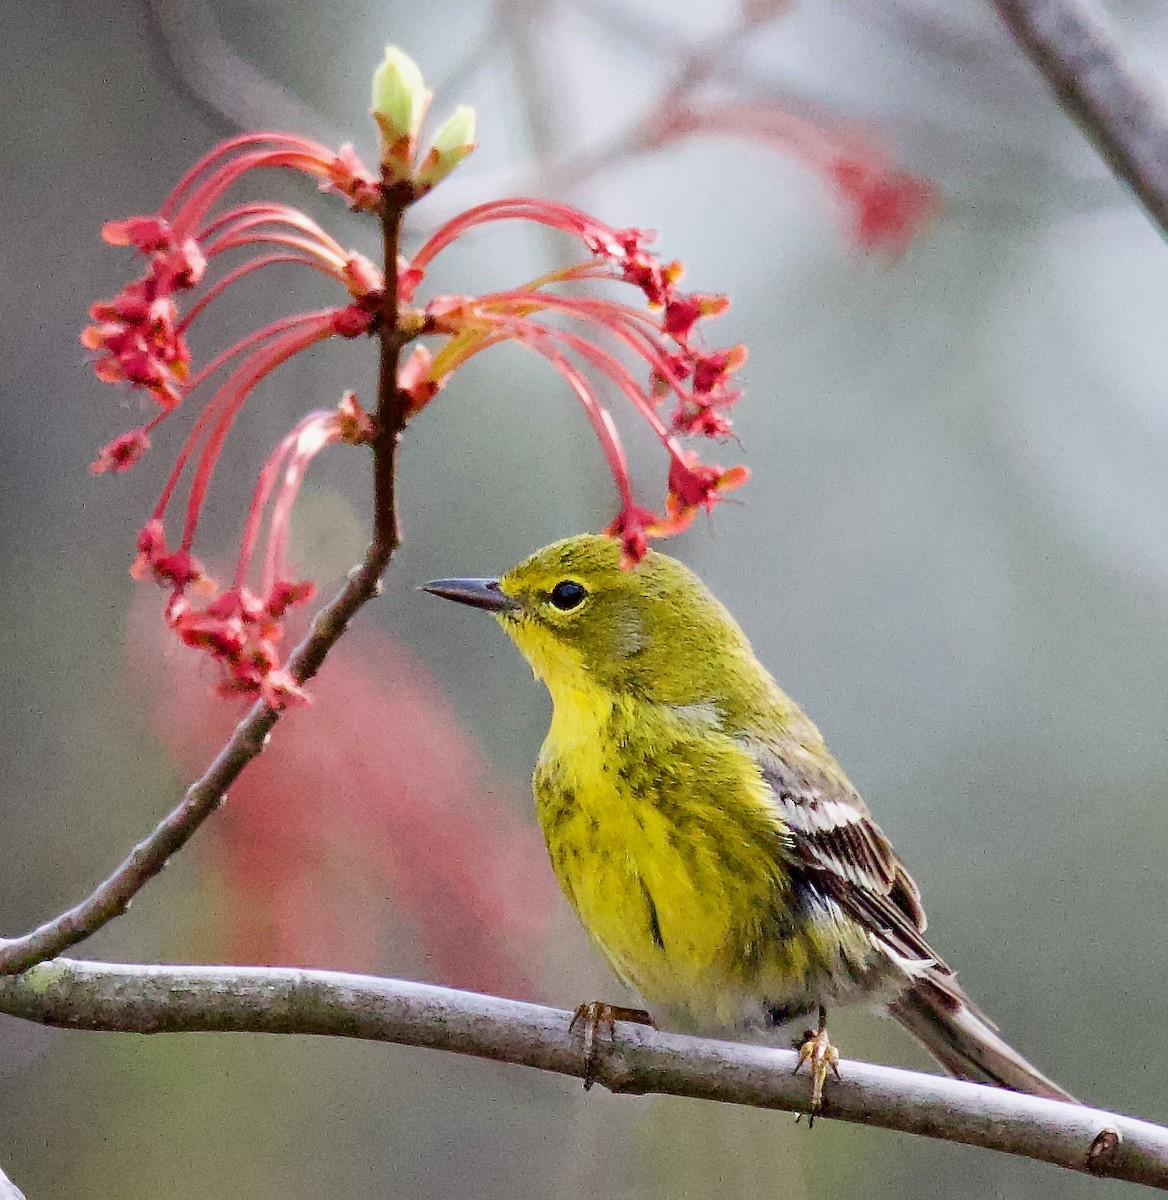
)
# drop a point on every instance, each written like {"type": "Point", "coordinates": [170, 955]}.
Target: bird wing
{"type": "Point", "coordinates": [844, 855]}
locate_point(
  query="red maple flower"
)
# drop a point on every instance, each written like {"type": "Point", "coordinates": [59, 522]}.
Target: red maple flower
{"type": "Point", "coordinates": [886, 206]}
{"type": "Point", "coordinates": [599, 345]}
{"type": "Point", "coordinates": [661, 338]}
{"type": "Point", "coordinates": [139, 339]}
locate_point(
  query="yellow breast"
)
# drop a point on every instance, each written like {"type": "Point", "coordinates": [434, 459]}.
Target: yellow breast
{"type": "Point", "coordinates": [662, 836]}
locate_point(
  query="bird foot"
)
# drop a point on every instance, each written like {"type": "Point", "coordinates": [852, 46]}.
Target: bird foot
{"type": "Point", "coordinates": [591, 1017]}
{"type": "Point", "coordinates": [821, 1056]}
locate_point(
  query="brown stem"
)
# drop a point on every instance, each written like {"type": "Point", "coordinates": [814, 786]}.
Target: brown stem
{"type": "Point", "coordinates": [635, 1060]}
{"type": "Point", "coordinates": [1125, 114]}
{"type": "Point", "coordinates": [390, 399]}
{"type": "Point", "coordinates": [111, 898]}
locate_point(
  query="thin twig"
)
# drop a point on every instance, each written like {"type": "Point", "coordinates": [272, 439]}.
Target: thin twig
{"type": "Point", "coordinates": [1123, 113]}
{"type": "Point", "coordinates": [112, 897]}
{"type": "Point", "coordinates": [702, 62]}
{"type": "Point", "coordinates": [178, 999]}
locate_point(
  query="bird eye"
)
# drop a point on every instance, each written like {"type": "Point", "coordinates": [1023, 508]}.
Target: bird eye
{"type": "Point", "coordinates": [568, 594]}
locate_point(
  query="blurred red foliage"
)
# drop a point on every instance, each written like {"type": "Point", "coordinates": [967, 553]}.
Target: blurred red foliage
{"type": "Point", "coordinates": [886, 206]}
{"type": "Point", "coordinates": [372, 806]}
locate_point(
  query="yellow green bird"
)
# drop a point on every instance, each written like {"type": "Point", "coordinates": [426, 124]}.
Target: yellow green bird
{"type": "Point", "coordinates": [697, 823]}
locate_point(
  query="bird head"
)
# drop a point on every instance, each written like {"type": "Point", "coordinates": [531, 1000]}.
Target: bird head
{"type": "Point", "coordinates": [583, 621]}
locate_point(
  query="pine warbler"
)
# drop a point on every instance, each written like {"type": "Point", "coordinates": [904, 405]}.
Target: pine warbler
{"type": "Point", "coordinates": [699, 826]}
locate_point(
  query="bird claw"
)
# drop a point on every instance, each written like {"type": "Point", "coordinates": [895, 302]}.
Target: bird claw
{"type": "Point", "coordinates": [592, 1016]}
{"type": "Point", "coordinates": [821, 1056]}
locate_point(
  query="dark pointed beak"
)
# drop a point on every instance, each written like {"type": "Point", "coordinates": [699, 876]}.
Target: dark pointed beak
{"type": "Point", "coordinates": [478, 593]}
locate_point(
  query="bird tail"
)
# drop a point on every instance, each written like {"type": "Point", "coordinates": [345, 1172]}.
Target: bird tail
{"type": "Point", "coordinates": [965, 1043]}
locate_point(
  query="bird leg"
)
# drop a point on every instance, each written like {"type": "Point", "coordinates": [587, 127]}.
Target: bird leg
{"type": "Point", "coordinates": [591, 1017]}
{"type": "Point", "coordinates": [818, 1051]}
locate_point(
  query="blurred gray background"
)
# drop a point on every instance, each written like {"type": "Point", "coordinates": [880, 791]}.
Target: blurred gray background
{"type": "Point", "coordinates": [953, 552]}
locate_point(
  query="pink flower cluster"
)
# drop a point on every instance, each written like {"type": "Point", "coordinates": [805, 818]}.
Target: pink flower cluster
{"type": "Point", "coordinates": [651, 353]}
{"type": "Point", "coordinates": [139, 338]}
{"type": "Point", "coordinates": [595, 354]}
{"type": "Point", "coordinates": [136, 335]}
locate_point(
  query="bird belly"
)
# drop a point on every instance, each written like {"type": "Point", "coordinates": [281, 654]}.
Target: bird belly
{"type": "Point", "coordinates": [687, 893]}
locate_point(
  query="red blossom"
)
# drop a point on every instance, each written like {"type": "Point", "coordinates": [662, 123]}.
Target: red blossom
{"type": "Point", "coordinates": [703, 411]}
{"type": "Point", "coordinates": [241, 632]}
{"type": "Point", "coordinates": [139, 338]}
{"type": "Point", "coordinates": [633, 525]}
{"type": "Point", "coordinates": [122, 453]}
{"type": "Point", "coordinates": [176, 263]}
{"type": "Point", "coordinates": [147, 233]}
{"type": "Point", "coordinates": [711, 371]}
{"type": "Point", "coordinates": [287, 593]}
{"type": "Point", "coordinates": [177, 569]}
{"type": "Point", "coordinates": [138, 341]}
{"type": "Point", "coordinates": [625, 248]}
{"type": "Point", "coordinates": [700, 416]}
{"type": "Point", "coordinates": [240, 628]}
{"type": "Point", "coordinates": [890, 206]}
{"type": "Point", "coordinates": [683, 311]}
{"type": "Point", "coordinates": [694, 485]}
{"type": "Point", "coordinates": [654, 278]}
{"type": "Point", "coordinates": [886, 205]}
{"type": "Point", "coordinates": [181, 267]}
{"type": "Point", "coordinates": [664, 342]}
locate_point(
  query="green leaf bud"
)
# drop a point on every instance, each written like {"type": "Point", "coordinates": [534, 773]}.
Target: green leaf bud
{"type": "Point", "coordinates": [400, 101]}
{"type": "Point", "coordinates": [453, 142]}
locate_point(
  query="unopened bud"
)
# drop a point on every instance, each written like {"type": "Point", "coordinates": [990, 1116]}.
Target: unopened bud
{"type": "Point", "coordinates": [453, 142]}
{"type": "Point", "coordinates": [400, 100]}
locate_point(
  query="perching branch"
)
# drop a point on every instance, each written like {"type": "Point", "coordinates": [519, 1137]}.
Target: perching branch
{"type": "Point", "coordinates": [9, 1190]}
{"type": "Point", "coordinates": [1124, 113]}
{"type": "Point", "coordinates": [111, 898]}
{"type": "Point", "coordinates": [186, 999]}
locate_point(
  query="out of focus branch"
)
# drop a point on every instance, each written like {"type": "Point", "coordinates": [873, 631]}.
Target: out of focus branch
{"type": "Point", "coordinates": [9, 1190]}
{"type": "Point", "coordinates": [1122, 112]}
{"type": "Point", "coordinates": [203, 65]}
{"type": "Point", "coordinates": [182, 999]}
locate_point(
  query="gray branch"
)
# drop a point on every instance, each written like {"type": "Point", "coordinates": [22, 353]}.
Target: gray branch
{"type": "Point", "coordinates": [9, 1190]}
{"type": "Point", "coordinates": [185, 999]}
{"type": "Point", "coordinates": [1123, 113]}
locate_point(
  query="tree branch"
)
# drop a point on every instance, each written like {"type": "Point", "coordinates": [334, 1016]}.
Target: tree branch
{"type": "Point", "coordinates": [111, 898]}
{"type": "Point", "coordinates": [156, 999]}
{"type": "Point", "coordinates": [1123, 113]}
{"type": "Point", "coordinates": [9, 1190]}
